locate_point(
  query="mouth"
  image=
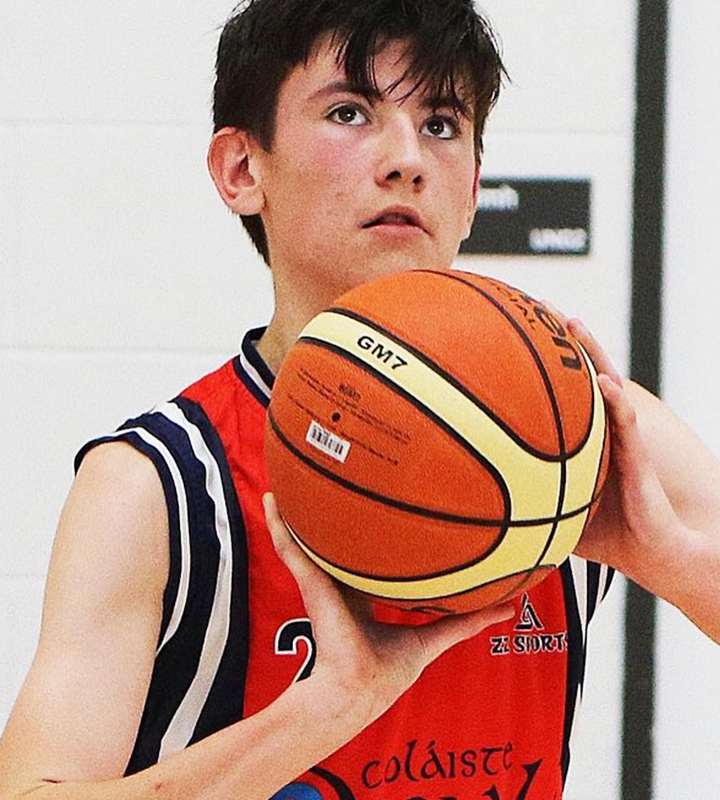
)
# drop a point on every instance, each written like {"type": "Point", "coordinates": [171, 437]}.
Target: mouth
{"type": "Point", "coordinates": [394, 217]}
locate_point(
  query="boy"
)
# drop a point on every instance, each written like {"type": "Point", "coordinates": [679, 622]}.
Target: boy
{"type": "Point", "coordinates": [179, 657]}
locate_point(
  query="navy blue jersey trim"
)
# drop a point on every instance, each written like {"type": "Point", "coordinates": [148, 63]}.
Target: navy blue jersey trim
{"type": "Point", "coordinates": [575, 662]}
{"type": "Point", "coordinates": [224, 705]}
{"type": "Point", "coordinates": [190, 459]}
{"type": "Point", "coordinates": [585, 585]}
{"type": "Point", "coordinates": [608, 583]}
{"type": "Point", "coordinates": [177, 662]}
{"type": "Point", "coordinates": [593, 588]}
{"type": "Point", "coordinates": [253, 358]}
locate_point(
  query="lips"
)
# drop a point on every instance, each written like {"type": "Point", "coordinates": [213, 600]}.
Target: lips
{"type": "Point", "coordinates": [396, 216]}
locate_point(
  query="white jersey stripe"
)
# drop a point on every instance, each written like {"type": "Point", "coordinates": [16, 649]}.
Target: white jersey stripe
{"type": "Point", "coordinates": [182, 726]}
{"type": "Point", "coordinates": [185, 561]}
{"type": "Point", "coordinates": [254, 375]}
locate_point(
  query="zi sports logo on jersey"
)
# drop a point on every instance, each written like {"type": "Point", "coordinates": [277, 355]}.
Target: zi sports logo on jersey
{"type": "Point", "coordinates": [529, 636]}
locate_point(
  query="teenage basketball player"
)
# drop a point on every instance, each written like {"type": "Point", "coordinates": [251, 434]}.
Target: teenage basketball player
{"type": "Point", "coordinates": [182, 655]}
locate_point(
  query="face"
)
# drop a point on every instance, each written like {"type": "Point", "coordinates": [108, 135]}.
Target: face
{"type": "Point", "coordinates": [355, 188]}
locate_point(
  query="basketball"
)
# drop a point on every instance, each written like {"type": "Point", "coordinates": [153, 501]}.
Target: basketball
{"type": "Point", "coordinates": [437, 441]}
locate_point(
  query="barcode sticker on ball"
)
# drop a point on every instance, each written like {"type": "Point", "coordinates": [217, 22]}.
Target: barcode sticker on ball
{"type": "Point", "coordinates": [327, 442]}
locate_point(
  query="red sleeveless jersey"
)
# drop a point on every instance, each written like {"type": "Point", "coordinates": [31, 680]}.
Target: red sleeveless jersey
{"type": "Point", "coordinates": [491, 718]}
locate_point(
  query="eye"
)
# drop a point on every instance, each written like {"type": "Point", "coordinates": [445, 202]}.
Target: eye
{"type": "Point", "coordinates": [348, 114]}
{"type": "Point", "coordinates": [441, 127]}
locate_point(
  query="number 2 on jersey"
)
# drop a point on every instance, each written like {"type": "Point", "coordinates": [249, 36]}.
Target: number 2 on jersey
{"type": "Point", "coordinates": [287, 638]}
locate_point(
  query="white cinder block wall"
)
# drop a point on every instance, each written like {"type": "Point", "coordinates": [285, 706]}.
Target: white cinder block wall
{"type": "Point", "coordinates": [122, 277]}
{"type": "Point", "coordinates": [570, 113]}
{"type": "Point", "coordinates": [687, 727]}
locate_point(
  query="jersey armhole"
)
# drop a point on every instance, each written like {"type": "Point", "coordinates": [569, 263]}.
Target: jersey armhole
{"type": "Point", "coordinates": [145, 443]}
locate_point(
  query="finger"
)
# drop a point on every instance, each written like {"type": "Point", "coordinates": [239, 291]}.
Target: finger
{"type": "Point", "coordinates": [629, 452]}
{"type": "Point", "coordinates": [644, 499]}
{"type": "Point", "coordinates": [555, 312]}
{"type": "Point", "coordinates": [305, 572]}
{"type": "Point", "coordinates": [441, 635]}
{"type": "Point", "coordinates": [598, 356]}
{"type": "Point", "coordinates": [623, 417]}
{"type": "Point", "coordinates": [282, 541]}
{"type": "Point", "coordinates": [325, 603]}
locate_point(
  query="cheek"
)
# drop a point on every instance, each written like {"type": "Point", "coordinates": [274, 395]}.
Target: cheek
{"type": "Point", "coordinates": [327, 167]}
{"type": "Point", "coordinates": [460, 204]}
{"type": "Point", "coordinates": [457, 173]}
{"type": "Point", "coordinates": [316, 193]}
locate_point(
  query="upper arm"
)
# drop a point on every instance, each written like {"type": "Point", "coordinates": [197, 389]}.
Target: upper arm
{"type": "Point", "coordinates": [688, 470]}
{"type": "Point", "coordinates": [78, 712]}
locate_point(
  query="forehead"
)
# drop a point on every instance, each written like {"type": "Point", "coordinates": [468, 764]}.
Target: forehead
{"type": "Point", "coordinates": [325, 65]}
{"type": "Point", "coordinates": [389, 75]}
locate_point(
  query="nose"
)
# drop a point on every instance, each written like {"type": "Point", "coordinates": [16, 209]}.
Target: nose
{"type": "Point", "coordinates": [400, 161]}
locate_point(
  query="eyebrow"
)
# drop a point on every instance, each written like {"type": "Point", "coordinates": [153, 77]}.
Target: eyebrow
{"type": "Point", "coordinates": [446, 101]}
{"type": "Point", "coordinates": [431, 103]}
{"type": "Point", "coordinates": [341, 87]}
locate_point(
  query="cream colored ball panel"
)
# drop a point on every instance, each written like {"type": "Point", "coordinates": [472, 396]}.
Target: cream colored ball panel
{"type": "Point", "coordinates": [534, 497]}
{"type": "Point", "coordinates": [582, 469]}
{"type": "Point", "coordinates": [566, 537]}
{"type": "Point", "coordinates": [521, 550]}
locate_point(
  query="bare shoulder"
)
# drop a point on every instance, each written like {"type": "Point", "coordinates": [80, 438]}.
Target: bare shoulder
{"type": "Point", "coordinates": [113, 528]}
{"type": "Point", "coordinates": [78, 712]}
{"type": "Point", "coordinates": [122, 472]}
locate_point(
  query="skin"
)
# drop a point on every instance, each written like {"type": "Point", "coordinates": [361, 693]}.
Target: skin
{"type": "Point", "coordinates": [70, 735]}
{"type": "Point", "coordinates": [339, 160]}
{"type": "Point", "coordinates": [72, 730]}
{"type": "Point", "coordinates": [659, 517]}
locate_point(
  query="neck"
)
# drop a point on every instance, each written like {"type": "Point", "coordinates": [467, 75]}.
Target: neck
{"type": "Point", "coordinates": [294, 308]}
{"type": "Point", "coordinates": [274, 344]}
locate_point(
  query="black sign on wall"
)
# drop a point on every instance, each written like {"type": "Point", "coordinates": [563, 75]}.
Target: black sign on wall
{"type": "Point", "coordinates": [532, 217]}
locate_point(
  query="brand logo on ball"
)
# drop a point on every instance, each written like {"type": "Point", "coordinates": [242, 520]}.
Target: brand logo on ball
{"type": "Point", "coordinates": [382, 352]}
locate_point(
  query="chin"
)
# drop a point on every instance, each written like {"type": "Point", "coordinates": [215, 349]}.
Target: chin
{"type": "Point", "coordinates": [328, 286]}
{"type": "Point", "coordinates": [395, 263]}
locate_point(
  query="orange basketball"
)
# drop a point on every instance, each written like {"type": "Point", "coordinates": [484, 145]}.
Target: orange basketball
{"type": "Point", "coordinates": [437, 440]}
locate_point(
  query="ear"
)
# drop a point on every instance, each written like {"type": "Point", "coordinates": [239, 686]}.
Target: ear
{"type": "Point", "coordinates": [233, 165]}
{"type": "Point", "coordinates": [472, 210]}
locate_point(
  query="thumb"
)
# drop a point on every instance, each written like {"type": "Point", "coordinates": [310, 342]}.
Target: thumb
{"type": "Point", "coordinates": [442, 635]}
{"type": "Point", "coordinates": [320, 593]}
